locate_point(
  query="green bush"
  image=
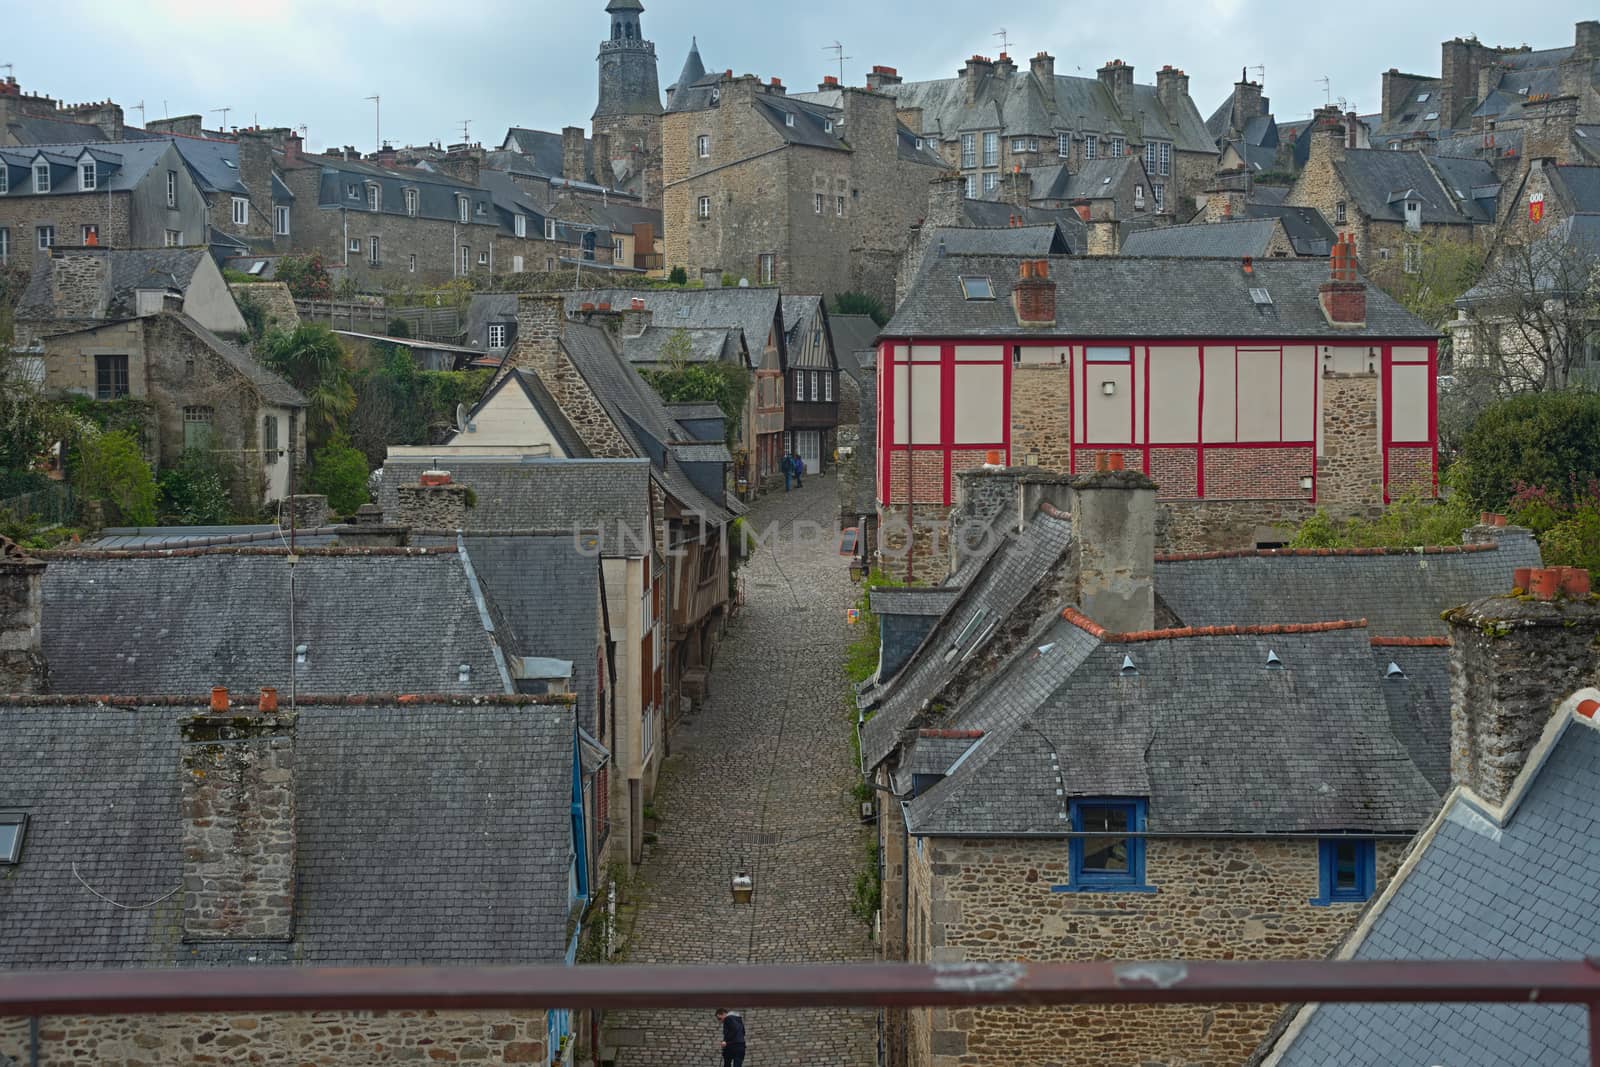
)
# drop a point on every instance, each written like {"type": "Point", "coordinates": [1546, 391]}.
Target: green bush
{"type": "Point", "coordinates": [306, 277]}
{"type": "Point", "coordinates": [111, 469]}
{"type": "Point", "coordinates": [861, 304]}
{"type": "Point", "coordinates": [1405, 524]}
{"type": "Point", "coordinates": [679, 276]}
{"type": "Point", "coordinates": [1537, 439]}
{"type": "Point", "coordinates": [195, 491]}
{"type": "Point", "coordinates": [339, 472]}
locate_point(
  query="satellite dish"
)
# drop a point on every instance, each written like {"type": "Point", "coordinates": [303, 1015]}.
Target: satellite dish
{"type": "Point", "coordinates": [462, 425]}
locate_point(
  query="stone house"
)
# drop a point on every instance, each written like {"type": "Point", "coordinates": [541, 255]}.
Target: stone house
{"type": "Point", "coordinates": [609, 500]}
{"type": "Point", "coordinates": [1268, 389]}
{"type": "Point", "coordinates": [304, 826]}
{"type": "Point", "coordinates": [37, 119]}
{"type": "Point", "coordinates": [1005, 838]}
{"type": "Point", "coordinates": [707, 315]}
{"type": "Point", "coordinates": [1515, 819]}
{"type": "Point", "coordinates": [1246, 131]}
{"type": "Point", "coordinates": [815, 192]}
{"type": "Point", "coordinates": [992, 118]}
{"type": "Point", "coordinates": [133, 194]}
{"type": "Point", "coordinates": [145, 325]}
{"type": "Point", "coordinates": [811, 410]}
{"type": "Point", "coordinates": [1247, 238]}
{"type": "Point", "coordinates": [1388, 201]}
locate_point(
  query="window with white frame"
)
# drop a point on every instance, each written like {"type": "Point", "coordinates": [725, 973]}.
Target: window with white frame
{"type": "Point", "coordinates": [516, 264]}
{"type": "Point", "coordinates": [969, 150]}
{"type": "Point", "coordinates": [616, 250]}
{"type": "Point", "coordinates": [174, 238]}
{"type": "Point", "coordinates": [1340, 215]}
{"type": "Point", "coordinates": [816, 386]}
{"type": "Point", "coordinates": [799, 387]}
{"type": "Point", "coordinates": [89, 234]}
{"type": "Point", "coordinates": [483, 208]}
{"type": "Point", "coordinates": [788, 120]}
{"type": "Point", "coordinates": [483, 259]}
{"type": "Point", "coordinates": [1064, 145]}
{"type": "Point", "coordinates": [838, 206]}
{"type": "Point", "coordinates": [411, 202]}
{"type": "Point", "coordinates": [463, 209]}
{"type": "Point", "coordinates": [41, 177]}
{"type": "Point", "coordinates": [702, 146]}
{"type": "Point", "coordinates": [411, 263]}
{"type": "Point", "coordinates": [1166, 159]}
{"type": "Point", "coordinates": [1160, 194]}
{"type": "Point", "coordinates": [46, 235]}
{"type": "Point", "coordinates": [374, 197]}
{"type": "Point", "coordinates": [172, 188]}
{"type": "Point", "coordinates": [972, 187]}
{"type": "Point", "coordinates": [353, 191]}
{"type": "Point", "coordinates": [497, 335]}
{"type": "Point", "coordinates": [827, 124]}
{"type": "Point", "coordinates": [549, 229]}
{"type": "Point", "coordinates": [818, 203]}
{"type": "Point", "coordinates": [241, 211]}
{"type": "Point", "coordinates": [768, 268]}
{"type": "Point", "coordinates": [705, 207]}
{"type": "Point", "coordinates": [520, 225]}
{"type": "Point", "coordinates": [1119, 148]}
{"type": "Point", "coordinates": [280, 225]}
{"type": "Point", "coordinates": [1412, 264]}
{"type": "Point", "coordinates": [1091, 146]}
{"type": "Point", "coordinates": [355, 246]}
{"type": "Point", "coordinates": [5, 178]}
{"type": "Point", "coordinates": [827, 387]}
{"type": "Point", "coordinates": [5, 244]}
{"type": "Point", "coordinates": [1138, 196]}
{"type": "Point", "coordinates": [991, 181]}
{"type": "Point", "coordinates": [86, 175]}
{"type": "Point", "coordinates": [991, 149]}
{"type": "Point", "coordinates": [372, 251]}
{"type": "Point", "coordinates": [466, 260]}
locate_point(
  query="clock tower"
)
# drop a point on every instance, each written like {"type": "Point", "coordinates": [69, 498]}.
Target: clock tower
{"type": "Point", "coordinates": [628, 116]}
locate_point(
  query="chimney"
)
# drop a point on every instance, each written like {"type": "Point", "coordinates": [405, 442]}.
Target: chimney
{"type": "Point", "coordinates": [1246, 103]}
{"type": "Point", "coordinates": [1586, 41]}
{"type": "Point", "coordinates": [1016, 189]}
{"type": "Point", "coordinates": [1114, 539]}
{"type": "Point", "coordinates": [1513, 660]}
{"type": "Point", "coordinates": [984, 493]}
{"type": "Point", "coordinates": [80, 282]}
{"type": "Point", "coordinates": [1043, 66]}
{"type": "Point", "coordinates": [22, 664]}
{"type": "Point", "coordinates": [910, 118]}
{"type": "Point", "coordinates": [237, 769]}
{"type": "Point", "coordinates": [436, 502]}
{"type": "Point", "coordinates": [463, 162]}
{"type": "Point", "coordinates": [1329, 134]}
{"type": "Point", "coordinates": [977, 69]}
{"type": "Point", "coordinates": [1172, 89]}
{"type": "Point", "coordinates": [1229, 195]}
{"type": "Point", "coordinates": [1548, 127]}
{"type": "Point", "coordinates": [1004, 67]}
{"type": "Point", "coordinates": [636, 318]}
{"type": "Point", "coordinates": [1117, 77]}
{"type": "Point", "coordinates": [711, 277]}
{"type": "Point", "coordinates": [309, 511]}
{"type": "Point", "coordinates": [387, 155]}
{"type": "Point", "coordinates": [1344, 295]}
{"type": "Point", "coordinates": [541, 323]}
{"type": "Point", "coordinates": [255, 167]}
{"type": "Point", "coordinates": [775, 87]}
{"type": "Point", "coordinates": [573, 164]}
{"type": "Point", "coordinates": [1034, 296]}
{"type": "Point", "coordinates": [603, 171]}
{"type": "Point", "coordinates": [181, 126]}
{"type": "Point", "coordinates": [293, 146]}
{"type": "Point", "coordinates": [828, 84]}
{"type": "Point", "coordinates": [1105, 232]}
{"type": "Point", "coordinates": [879, 76]}
{"type": "Point", "coordinates": [947, 196]}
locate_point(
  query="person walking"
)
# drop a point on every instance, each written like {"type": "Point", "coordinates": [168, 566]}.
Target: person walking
{"type": "Point", "coordinates": [799, 472]}
{"type": "Point", "coordinates": [788, 471]}
{"type": "Point", "coordinates": [732, 1038]}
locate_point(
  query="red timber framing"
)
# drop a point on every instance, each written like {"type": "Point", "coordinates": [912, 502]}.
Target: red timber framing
{"type": "Point", "coordinates": [1413, 364]}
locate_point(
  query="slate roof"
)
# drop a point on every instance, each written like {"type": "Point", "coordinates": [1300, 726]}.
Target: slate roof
{"type": "Point", "coordinates": [1245, 237]}
{"type": "Point", "coordinates": [1307, 230]}
{"type": "Point", "coordinates": [544, 152]}
{"type": "Point", "coordinates": [851, 334]}
{"type": "Point", "coordinates": [1556, 259]}
{"type": "Point", "coordinates": [1376, 177]}
{"type": "Point", "coordinates": [370, 622]}
{"type": "Point", "coordinates": [437, 193]}
{"type": "Point", "coordinates": [1217, 741]}
{"type": "Point", "coordinates": [1419, 706]}
{"type": "Point", "coordinates": [1034, 240]}
{"type": "Point", "coordinates": [1400, 593]}
{"type": "Point", "coordinates": [1175, 298]}
{"type": "Point", "coordinates": [272, 388]}
{"type": "Point", "coordinates": [608, 495]}
{"type": "Point", "coordinates": [131, 269]}
{"type": "Point", "coordinates": [754, 311]}
{"type": "Point", "coordinates": [30, 130]}
{"type": "Point", "coordinates": [1578, 187]}
{"type": "Point", "coordinates": [489, 308]}
{"type": "Point", "coordinates": [1480, 891]}
{"type": "Point", "coordinates": [694, 68]}
{"type": "Point", "coordinates": [934, 600]}
{"type": "Point", "coordinates": [1010, 570]}
{"type": "Point", "coordinates": [121, 166]}
{"type": "Point", "coordinates": [379, 868]}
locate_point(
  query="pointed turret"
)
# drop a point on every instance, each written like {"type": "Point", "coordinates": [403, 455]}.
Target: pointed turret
{"type": "Point", "coordinates": [693, 68]}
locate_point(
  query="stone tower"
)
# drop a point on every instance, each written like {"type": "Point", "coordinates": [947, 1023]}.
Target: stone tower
{"type": "Point", "coordinates": [629, 111]}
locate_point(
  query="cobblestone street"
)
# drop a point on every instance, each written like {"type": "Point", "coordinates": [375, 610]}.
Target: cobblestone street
{"type": "Point", "coordinates": [761, 779]}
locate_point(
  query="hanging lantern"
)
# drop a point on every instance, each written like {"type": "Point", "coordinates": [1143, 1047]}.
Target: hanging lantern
{"type": "Point", "coordinates": [744, 888]}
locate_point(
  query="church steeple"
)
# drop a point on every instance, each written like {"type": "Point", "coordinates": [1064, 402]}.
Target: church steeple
{"type": "Point", "coordinates": [628, 79]}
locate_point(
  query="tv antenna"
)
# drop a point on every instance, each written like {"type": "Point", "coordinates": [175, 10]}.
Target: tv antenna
{"type": "Point", "coordinates": [1327, 89]}
{"type": "Point", "coordinates": [377, 121]}
{"type": "Point", "coordinates": [837, 48]}
{"type": "Point", "coordinates": [466, 131]}
{"type": "Point", "coordinates": [1005, 40]}
{"type": "Point", "coordinates": [139, 107]}
{"type": "Point", "coordinates": [223, 111]}
{"type": "Point", "coordinates": [9, 68]}
{"type": "Point", "coordinates": [1260, 72]}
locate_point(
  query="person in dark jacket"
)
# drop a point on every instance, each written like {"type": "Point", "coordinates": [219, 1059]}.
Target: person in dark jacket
{"type": "Point", "coordinates": [799, 472]}
{"type": "Point", "coordinates": [732, 1038]}
{"type": "Point", "coordinates": [787, 467]}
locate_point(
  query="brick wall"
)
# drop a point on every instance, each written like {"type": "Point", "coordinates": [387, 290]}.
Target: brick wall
{"type": "Point", "coordinates": [928, 469]}
{"type": "Point", "coordinates": [1175, 472]}
{"type": "Point", "coordinates": [314, 1039]}
{"type": "Point", "coordinates": [1410, 472]}
{"type": "Point", "coordinates": [991, 900]}
{"type": "Point", "coordinates": [1255, 473]}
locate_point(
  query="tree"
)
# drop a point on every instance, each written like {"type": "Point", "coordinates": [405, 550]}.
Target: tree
{"type": "Point", "coordinates": [306, 277]}
{"type": "Point", "coordinates": [112, 470]}
{"type": "Point", "coordinates": [1549, 439]}
{"type": "Point", "coordinates": [679, 276]}
{"type": "Point", "coordinates": [195, 491]}
{"type": "Point", "coordinates": [339, 472]}
{"type": "Point", "coordinates": [256, 319]}
{"type": "Point", "coordinates": [314, 362]}
{"type": "Point", "coordinates": [680, 381]}
{"type": "Point", "coordinates": [1431, 276]}
{"type": "Point", "coordinates": [861, 304]}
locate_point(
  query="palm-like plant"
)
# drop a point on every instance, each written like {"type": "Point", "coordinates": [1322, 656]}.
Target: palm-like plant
{"type": "Point", "coordinates": [314, 362]}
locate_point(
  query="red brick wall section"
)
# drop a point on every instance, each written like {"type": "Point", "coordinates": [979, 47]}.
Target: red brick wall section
{"type": "Point", "coordinates": [1175, 471]}
{"type": "Point", "coordinates": [1410, 472]}
{"type": "Point", "coordinates": [967, 459]}
{"type": "Point", "coordinates": [1083, 455]}
{"type": "Point", "coordinates": [1258, 473]}
{"type": "Point", "coordinates": [929, 473]}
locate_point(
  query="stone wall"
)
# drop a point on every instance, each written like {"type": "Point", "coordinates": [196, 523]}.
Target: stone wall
{"type": "Point", "coordinates": [68, 213]}
{"type": "Point", "coordinates": [314, 1039]}
{"type": "Point", "coordinates": [1216, 525]}
{"type": "Point", "coordinates": [274, 298]}
{"type": "Point", "coordinates": [22, 664]}
{"type": "Point", "coordinates": [927, 542]}
{"type": "Point", "coordinates": [238, 807]}
{"type": "Point", "coordinates": [992, 900]}
{"type": "Point", "coordinates": [1350, 469]}
{"type": "Point", "coordinates": [431, 507]}
{"type": "Point", "coordinates": [1041, 416]}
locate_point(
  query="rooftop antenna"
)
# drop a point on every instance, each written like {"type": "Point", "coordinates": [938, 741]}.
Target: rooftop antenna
{"type": "Point", "coordinates": [1327, 90]}
{"type": "Point", "coordinates": [224, 112]}
{"type": "Point", "coordinates": [466, 131]}
{"type": "Point", "coordinates": [837, 49]}
{"type": "Point", "coordinates": [1261, 73]}
{"type": "Point", "coordinates": [139, 107]}
{"type": "Point", "coordinates": [9, 68]}
{"type": "Point", "coordinates": [377, 121]}
{"type": "Point", "coordinates": [1005, 40]}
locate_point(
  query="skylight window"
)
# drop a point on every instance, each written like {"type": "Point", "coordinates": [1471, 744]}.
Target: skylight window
{"type": "Point", "coordinates": [1430, 116]}
{"type": "Point", "coordinates": [230, 164]}
{"type": "Point", "coordinates": [13, 826]}
{"type": "Point", "coordinates": [1423, 98]}
{"type": "Point", "coordinates": [1261, 297]}
{"type": "Point", "coordinates": [977, 288]}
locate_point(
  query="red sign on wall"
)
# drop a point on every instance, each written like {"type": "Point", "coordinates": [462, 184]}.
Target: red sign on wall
{"type": "Point", "coordinates": [1536, 207]}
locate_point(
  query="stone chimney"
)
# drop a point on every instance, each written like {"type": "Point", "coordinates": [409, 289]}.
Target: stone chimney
{"type": "Point", "coordinates": [255, 168]}
{"type": "Point", "coordinates": [436, 502]}
{"type": "Point", "coordinates": [463, 162]}
{"type": "Point", "coordinates": [973, 75]}
{"type": "Point", "coordinates": [1117, 77]}
{"type": "Point", "coordinates": [880, 76]}
{"type": "Point", "coordinates": [910, 118]}
{"type": "Point", "coordinates": [238, 811]}
{"type": "Point", "coordinates": [1105, 234]}
{"type": "Point", "coordinates": [1548, 127]}
{"type": "Point", "coordinates": [1034, 296]}
{"type": "Point", "coordinates": [1513, 660]}
{"type": "Point", "coordinates": [1586, 41]}
{"type": "Point", "coordinates": [181, 125]}
{"type": "Point", "coordinates": [1172, 89]}
{"type": "Point", "coordinates": [603, 173]}
{"type": "Point", "coordinates": [947, 196]}
{"type": "Point", "coordinates": [1114, 541]}
{"type": "Point", "coordinates": [1004, 67]}
{"type": "Point", "coordinates": [104, 114]}
{"type": "Point", "coordinates": [636, 318]}
{"type": "Point", "coordinates": [1043, 66]}
{"type": "Point", "coordinates": [541, 322]}
{"type": "Point", "coordinates": [711, 277]}
{"type": "Point", "coordinates": [1228, 196]}
{"type": "Point", "coordinates": [1344, 295]}
{"type": "Point", "coordinates": [80, 282]}
{"type": "Point", "coordinates": [1016, 189]}
{"type": "Point", "coordinates": [308, 511]}
{"type": "Point", "coordinates": [23, 669]}
{"type": "Point", "coordinates": [1246, 103]}
{"type": "Point", "coordinates": [574, 166]}
{"type": "Point", "coordinates": [1328, 135]}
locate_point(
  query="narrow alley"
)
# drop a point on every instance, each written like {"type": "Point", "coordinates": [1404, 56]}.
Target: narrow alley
{"type": "Point", "coordinates": [760, 780]}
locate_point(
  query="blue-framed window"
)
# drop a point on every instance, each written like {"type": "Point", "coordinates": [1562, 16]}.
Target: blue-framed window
{"type": "Point", "coordinates": [1349, 867]}
{"type": "Point", "coordinates": [1107, 864]}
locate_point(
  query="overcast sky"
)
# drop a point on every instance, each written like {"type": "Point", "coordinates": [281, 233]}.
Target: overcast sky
{"type": "Point", "coordinates": [532, 62]}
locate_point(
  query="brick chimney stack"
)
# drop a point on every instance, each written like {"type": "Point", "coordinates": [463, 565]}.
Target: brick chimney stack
{"type": "Point", "coordinates": [1114, 541]}
{"type": "Point", "coordinates": [293, 147]}
{"type": "Point", "coordinates": [22, 664]}
{"type": "Point", "coordinates": [1513, 660]}
{"type": "Point", "coordinates": [1344, 295]}
{"type": "Point", "coordinates": [238, 810]}
{"type": "Point", "coordinates": [1034, 296]}
{"type": "Point", "coordinates": [880, 76]}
